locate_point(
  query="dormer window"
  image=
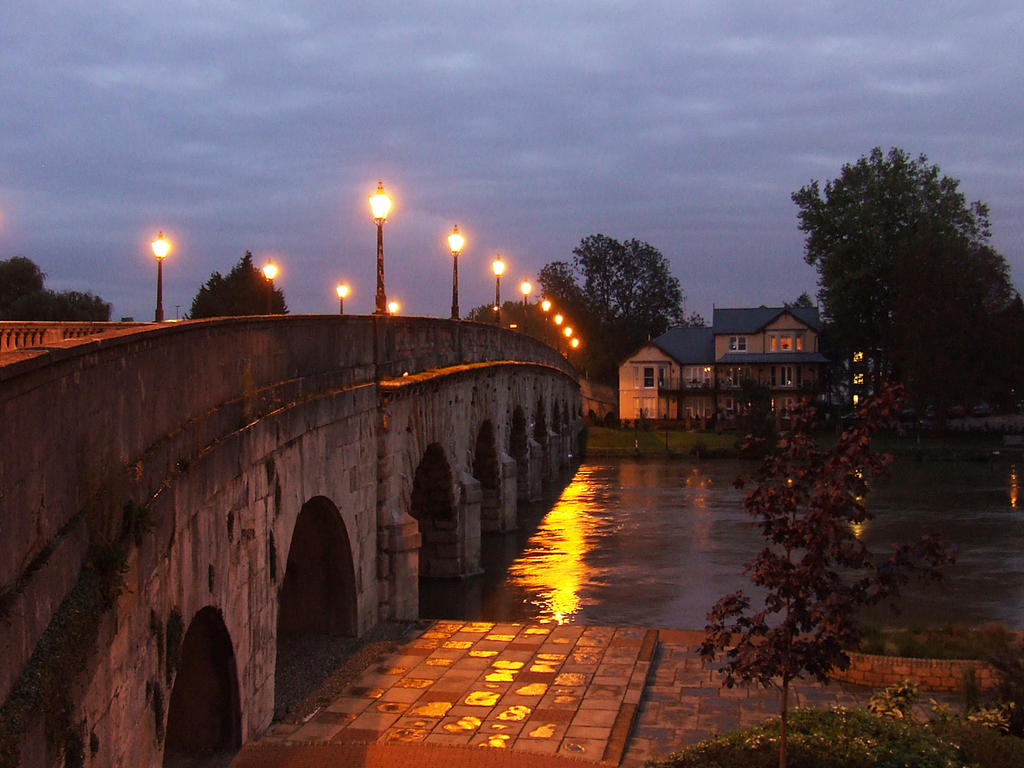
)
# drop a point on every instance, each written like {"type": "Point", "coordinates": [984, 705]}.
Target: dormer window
{"type": "Point", "coordinates": [737, 343]}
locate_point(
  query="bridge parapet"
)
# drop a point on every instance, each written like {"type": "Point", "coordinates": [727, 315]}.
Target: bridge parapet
{"type": "Point", "coordinates": [30, 333]}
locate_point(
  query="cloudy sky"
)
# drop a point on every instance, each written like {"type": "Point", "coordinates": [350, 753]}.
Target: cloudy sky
{"type": "Point", "coordinates": [264, 125]}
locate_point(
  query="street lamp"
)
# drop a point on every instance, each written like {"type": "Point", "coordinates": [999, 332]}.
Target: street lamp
{"type": "Point", "coordinates": [160, 249]}
{"type": "Point", "coordinates": [342, 290]}
{"type": "Point", "coordinates": [545, 307]}
{"type": "Point", "coordinates": [498, 266]}
{"type": "Point", "coordinates": [270, 272]}
{"type": "Point", "coordinates": [525, 287]}
{"type": "Point", "coordinates": [455, 243]}
{"type": "Point", "coordinates": [568, 335]}
{"type": "Point", "coordinates": [392, 307]}
{"type": "Point", "coordinates": [380, 204]}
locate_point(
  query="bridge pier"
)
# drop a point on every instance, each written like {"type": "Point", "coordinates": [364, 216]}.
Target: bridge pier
{"type": "Point", "coordinates": [398, 568]}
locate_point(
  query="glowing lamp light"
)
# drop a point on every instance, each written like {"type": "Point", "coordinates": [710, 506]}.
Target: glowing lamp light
{"type": "Point", "coordinates": [380, 203]}
{"type": "Point", "coordinates": [525, 287]}
{"type": "Point", "coordinates": [393, 307]}
{"type": "Point", "coordinates": [545, 305]}
{"type": "Point", "coordinates": [558, 319]}
{"type": "Point", "coordinates": [342, 291]}
{"type": "Point", "coordinates": [160, 246]}
{"type": "Point", "coordinates": [575, 343]}
{"type": "Point", "coordinates": [456, 241]}
{"type": "Point", "coordinates": [498, 266]}
{"type": "Point", "coordinates": [568, 332]}
{"type": "Point", "coordinates": [270, 270]}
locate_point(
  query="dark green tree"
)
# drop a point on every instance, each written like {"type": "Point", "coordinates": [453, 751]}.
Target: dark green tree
{"type": "Point", "coordinates": [948, 322]}
{"type": "Point", "coordinates": [861, 227]}
{"type": "Point", "coordinates": [24, 297]}
{"type": "Point", "coordinates": [617, 295]}
{"type": "Point", "coordinates": [243, 291]}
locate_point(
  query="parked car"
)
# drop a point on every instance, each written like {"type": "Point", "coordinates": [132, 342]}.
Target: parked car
{"type": "Point", "coordinates": [956, 412]}
{"type": "Point", "coordinates": [981, 409]}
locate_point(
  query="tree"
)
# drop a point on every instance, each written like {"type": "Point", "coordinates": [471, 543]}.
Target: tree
{"type": "Point", "coordinates": [813, 570]}
{"type": "Point", "coordinates": [244, 291]}
{"type": "Point", "coordinates": [880, 211]}
{"type": "Point", "coordinates": [803, 300]}
{"type": "Point", "coordinates": [24, 297]}
{"type": "Point", "coordinates": [947, 323]}
{"type": "Point", "coordinates": [618, 295]}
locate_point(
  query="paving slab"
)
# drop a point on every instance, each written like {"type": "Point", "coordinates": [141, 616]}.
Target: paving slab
{"type": "Point", "coordinates": [530, 696]}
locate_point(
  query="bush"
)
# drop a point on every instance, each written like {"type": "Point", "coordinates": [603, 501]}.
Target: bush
{"type": "Point", "coordinates": [836, 738]}
{"type": "Point", "coordinates": [948, 641]}
{"type": "Point", "coordinates": [980, 745]}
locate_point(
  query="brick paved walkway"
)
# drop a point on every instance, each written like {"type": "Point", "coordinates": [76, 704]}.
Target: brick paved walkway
{"type": "Point", "coordinates": [533, 693]}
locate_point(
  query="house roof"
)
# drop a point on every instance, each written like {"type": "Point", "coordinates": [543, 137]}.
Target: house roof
{"type": "Point", "coordinates": [688, 345]}
{"type": "Point", "coordinates": [753, 319]}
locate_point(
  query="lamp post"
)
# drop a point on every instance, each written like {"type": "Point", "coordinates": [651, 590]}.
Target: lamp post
{"type": "Point", "coordinates": [342, 290]}
{"type": "Point", "coordinates": [455, 243]}
{"type": "Point", "coordinates": [270, 272]}
{"type": "Point", "coordinates": [545, 307]}
{"type": "Point", "coordinates": [525, 287]}
{"type": "Point", "coordinates": [498, 266]}
{"type": "Point", "coordinates": [160, 249]}
{"type": "Point", "coordinates": [567, 331]}
{"type": "Point", "coordinates": [574, 344]}
{"type": "Point", "coordinates": [380, 204]}
{"type": "Point", "coordinates": [558, 329]}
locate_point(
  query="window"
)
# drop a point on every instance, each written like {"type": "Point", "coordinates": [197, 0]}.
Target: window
{"type": "Point", "coordinates": [799, 342]}
{"type": "Point", "coordinates": [737, 343]}
{"type": "Point", "coordinates": [648, 378]}
{"type": "Point", "coordinates": [782, 375]}
{"type": "Point", "coordinates": [773, 343]}
{"type": "Point", "coordinates": [786, 343]}
{"type": "Point", "coordinates": [661, 378]}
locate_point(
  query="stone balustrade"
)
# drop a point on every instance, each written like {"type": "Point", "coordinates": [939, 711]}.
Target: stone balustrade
{"type": "Point", "coordinates": [19, 334]}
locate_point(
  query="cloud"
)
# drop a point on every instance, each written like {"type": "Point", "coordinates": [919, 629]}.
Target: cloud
{"type": "Point", "coordinates": [530, 124]}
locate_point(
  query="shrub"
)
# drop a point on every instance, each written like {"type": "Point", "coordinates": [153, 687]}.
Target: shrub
{"type": "Point", "coordinates": [836, 738]}
{"type": "Point", "coordinates": [980, 745]}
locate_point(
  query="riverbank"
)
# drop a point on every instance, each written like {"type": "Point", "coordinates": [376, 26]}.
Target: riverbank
{"type": "Point", "coordinates": [696, 444]}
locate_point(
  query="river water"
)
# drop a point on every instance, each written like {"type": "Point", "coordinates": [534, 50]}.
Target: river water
{"type": "Point", "coordinates": [653, 542]}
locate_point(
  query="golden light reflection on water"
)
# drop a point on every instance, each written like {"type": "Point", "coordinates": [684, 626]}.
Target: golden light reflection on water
{"type": "Point", "coordinates": [552, 564]}
{"type": "Point", "coordinates": [1014, 486]}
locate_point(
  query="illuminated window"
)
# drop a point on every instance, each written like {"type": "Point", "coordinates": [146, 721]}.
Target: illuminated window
{"type": "Point", "coordinates": [858, 378]}
{"type": "Point", "coordinates": [648, 378]}
{"type": "Point", "coordinates": [786, 343]}
{"type": "Point", "coordinates": [800, 342]}
{"type": "Point", "coordinates": [858, 357]}
{"type": "Point", "coordinates": [737, 343]}
{"type": "Point", "coordinates": [773, 343]}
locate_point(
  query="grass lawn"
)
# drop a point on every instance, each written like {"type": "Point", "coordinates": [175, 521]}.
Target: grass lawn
{"type": "Point", "coordinates": [607, 441]}
{"type": "Point", "coordinates": [924, 446]}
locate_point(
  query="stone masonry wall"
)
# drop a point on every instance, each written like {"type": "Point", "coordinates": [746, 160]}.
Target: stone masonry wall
{"type": "Point", "coordinates": [929, 674]}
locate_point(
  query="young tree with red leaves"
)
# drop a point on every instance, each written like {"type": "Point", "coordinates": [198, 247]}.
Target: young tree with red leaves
{"type": "Point", "coordinates": [815, 572]}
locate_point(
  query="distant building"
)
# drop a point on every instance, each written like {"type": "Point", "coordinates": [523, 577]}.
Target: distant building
{"type": "Point", "coordinates": [692, 374]}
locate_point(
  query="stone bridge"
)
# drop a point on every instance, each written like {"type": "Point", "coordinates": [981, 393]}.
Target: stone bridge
{"type": "Point", "coordinates": [176, 498]}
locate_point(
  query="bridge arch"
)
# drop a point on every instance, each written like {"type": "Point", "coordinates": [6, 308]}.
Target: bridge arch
{"type": "Point", "coordinates": [204, 712]}
{"type": "Point", "coordinates": [318, 593]}
{"type": "Point", "coordinates": [487, 470]}
{"type": "Point", "coordinates": [433, 506]}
